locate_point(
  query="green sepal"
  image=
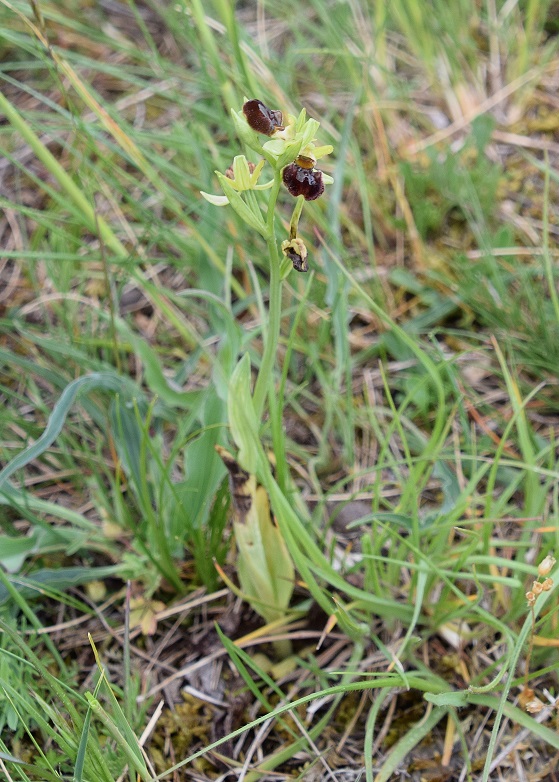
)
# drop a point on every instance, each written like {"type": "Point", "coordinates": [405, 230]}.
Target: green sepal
{"type": "Point", "coordinates": [248, 215]}
{"type": "Point", "coordinates": [249, 136]}
{"type": "Point", "coordinates": [301, 119]}
{"type": "Point", "coordinates": [309, 132]}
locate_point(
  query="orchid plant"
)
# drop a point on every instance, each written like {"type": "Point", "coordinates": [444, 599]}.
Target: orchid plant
{"type": "Point", "coordinates": [266, 570]}
{"type": "Point", "coordinates": [292, 154]}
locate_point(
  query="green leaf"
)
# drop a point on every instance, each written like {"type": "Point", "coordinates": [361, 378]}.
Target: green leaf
{"type": "Point", "coordinates": [128, 438]}
{"type": "Point", "coordinates": [265, 567]}
{"type": "Point", "coordinates": [48, 580]}
{"type": "Point", "coordinates": [14, 551]}
{"type": "Point", "coordinates": [242, 418]}
{"type": "Point", "coordinates": [412, 737]}
{"type": "Point", "coordinates": [455, 699]}
{"type": "Point", "coordinates": [203, 467]}
{"type": "Point", "coordinates": [155, 378]}
{"type": "Point", "coordinates": [98, 381]}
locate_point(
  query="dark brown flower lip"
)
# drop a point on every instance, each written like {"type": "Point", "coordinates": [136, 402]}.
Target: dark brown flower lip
{"type": "Point", "coordinates": [300, 264]}
{"type": "Point", "coordinates": [303, 181]}
{"type": "Point", "coordinates": [262, 119]}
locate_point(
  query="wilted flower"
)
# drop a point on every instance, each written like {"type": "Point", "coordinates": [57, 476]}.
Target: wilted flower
{"type": "Point", "coordinates": [546, 565]}
{"type": "Point", "coordinates": [143, 614]}
{"type": "Point", "coordinates": [529, 701]}
{"type": "Point", "coordinates": [296, 251]}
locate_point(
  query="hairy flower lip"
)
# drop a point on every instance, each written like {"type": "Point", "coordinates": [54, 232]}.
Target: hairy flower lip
{"type": "Point", "coordinates": [262, 119]}
{"type": "Point", "coordinates": [307, 182]}
{"type": "Point", "coordinates": [295, 136]}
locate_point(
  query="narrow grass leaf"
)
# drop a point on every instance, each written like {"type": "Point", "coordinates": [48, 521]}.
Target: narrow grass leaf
{"type": "Point", "coordinates": [383, 680]}
{"type": "Point", "coordinates": [52, 582]}
{"type": "Point", "coordinates": [98, 381]}
{"type": "Point", "coordinates": [82, 746]}
{"type": "Point", "coordinates": [118, 725]}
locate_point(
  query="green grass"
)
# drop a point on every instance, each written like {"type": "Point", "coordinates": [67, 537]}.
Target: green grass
{"type": "Point", "coordinates": [414, 404]}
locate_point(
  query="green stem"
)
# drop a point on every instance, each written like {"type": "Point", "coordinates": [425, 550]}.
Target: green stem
{"type": "Point", "coordinates": [294, 224]}
{"type": "Point", "coordinates": [265, 379]}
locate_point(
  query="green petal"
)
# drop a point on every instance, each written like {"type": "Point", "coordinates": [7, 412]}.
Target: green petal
{"type": "Point", "coordinates": [322, 151]}
{"type": "Point", "coordinates": [276, 146]}
{"type": "Point", "coordinates": [265, 186]}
